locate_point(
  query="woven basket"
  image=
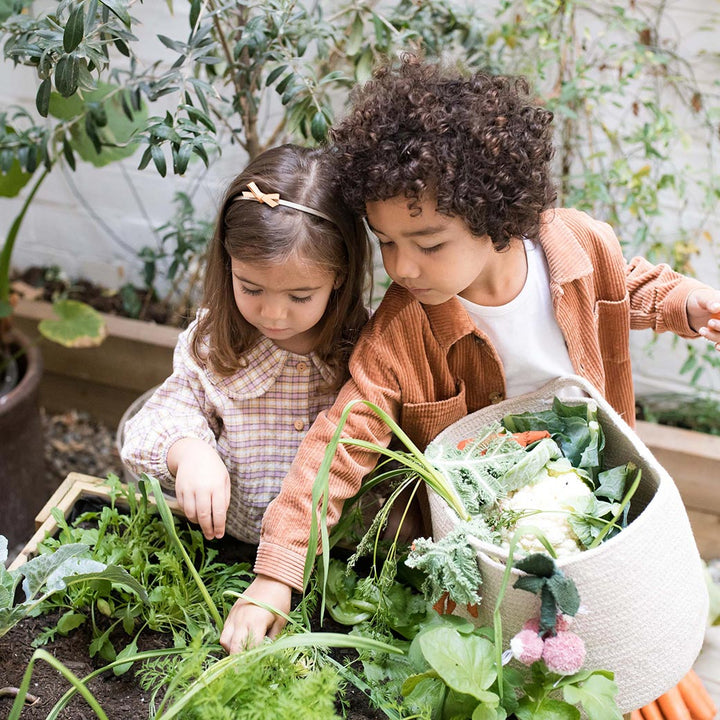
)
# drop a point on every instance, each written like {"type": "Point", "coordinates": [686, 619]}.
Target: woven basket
{"type": "Point", "coordinates": [133, 409]}
{"type": "Point", "coordinates": [643, 596]}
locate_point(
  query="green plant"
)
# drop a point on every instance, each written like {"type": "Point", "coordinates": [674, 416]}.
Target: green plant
{"type": "Point", "coordinates": [45, 575]}
{"type": "Point", "coordinates": [184, 580]}
{"type": "Point", "coordinates": [628, 107]}
{"type": "Point", "coordinates": [221, 84]}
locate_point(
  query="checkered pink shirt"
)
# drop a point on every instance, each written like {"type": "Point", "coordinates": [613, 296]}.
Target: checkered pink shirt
{"type": "Point", "coordinates": [255, 419]}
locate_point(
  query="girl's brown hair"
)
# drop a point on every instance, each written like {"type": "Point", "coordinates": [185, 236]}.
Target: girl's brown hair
{"type": "Point", "coordinates": [256, 233]}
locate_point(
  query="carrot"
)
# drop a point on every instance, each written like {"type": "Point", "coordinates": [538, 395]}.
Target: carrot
{"type": "Point", "coordinates": [673, 706]}
{"type": "Point", "coordinates": [696, 697]}
{"type": "Point", "coordinates": [441, 605]}
{"type": "Point", "coordinates": [472, 609]}
{"type": "Point", "coordinates": [523, 438]}
{"type": "Point", "coordinates": [651, 711]}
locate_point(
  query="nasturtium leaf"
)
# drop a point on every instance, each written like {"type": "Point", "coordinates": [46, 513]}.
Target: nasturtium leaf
{"type": "Point", "coordinates": [597, 696]}
{"type": "Point", "coordinates": [14, 179]}
{"type": "Point", "coordinates": [79, 325]}
{"type": "Point", "coordinates": [465, 662]}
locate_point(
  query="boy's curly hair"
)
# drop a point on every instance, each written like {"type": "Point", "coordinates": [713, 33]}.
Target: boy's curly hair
{"type": "Point", "coordinates": [475, 142]}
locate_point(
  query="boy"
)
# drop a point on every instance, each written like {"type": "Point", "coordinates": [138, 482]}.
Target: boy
{"type": "Point", "coordinates": [493, 293]}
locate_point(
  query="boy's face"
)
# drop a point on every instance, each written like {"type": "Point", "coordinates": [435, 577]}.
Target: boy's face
{"type": "Point", "coordinates": [434, 256]}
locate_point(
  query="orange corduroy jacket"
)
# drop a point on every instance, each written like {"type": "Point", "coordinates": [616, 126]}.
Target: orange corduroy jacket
{"type": "Point", "coordinates": [428, 366]}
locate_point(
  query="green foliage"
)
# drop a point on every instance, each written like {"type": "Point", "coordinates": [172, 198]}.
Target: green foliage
{"type": "Point", "coordinates": [47, 575]}
{"type": "Point", "coordinates": [701, 414]}
{"type": "Point", "coordinates": [130, 534]}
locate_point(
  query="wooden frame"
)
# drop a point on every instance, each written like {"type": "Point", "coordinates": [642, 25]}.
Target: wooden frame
{"type": "Point", "coordinates": [693, 461]}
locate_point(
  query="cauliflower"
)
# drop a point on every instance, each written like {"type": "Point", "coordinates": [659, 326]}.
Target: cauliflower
{"type": "Point", "coordinates": [546, 504]}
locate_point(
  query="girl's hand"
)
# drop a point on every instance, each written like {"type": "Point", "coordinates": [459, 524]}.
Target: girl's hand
{"type": "Point", "coordinates": [703, 312]}
{"type": "Point", "coordinates": [202, 484]}
{"type": "Point", "coordinates": [247, 624]}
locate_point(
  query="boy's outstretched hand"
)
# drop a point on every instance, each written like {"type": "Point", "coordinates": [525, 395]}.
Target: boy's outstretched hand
{"type": "Point", "coordinates": [703, 312]}
{"type": "Point", "coordinates": [248, 624]}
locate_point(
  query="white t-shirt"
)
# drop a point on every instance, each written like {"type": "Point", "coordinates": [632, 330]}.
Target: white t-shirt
{"type": "Point", "coordinates": [525, 332]}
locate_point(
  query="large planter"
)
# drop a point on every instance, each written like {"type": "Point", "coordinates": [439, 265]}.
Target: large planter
{"type": "Point", "coordinates": [103, 380]}
{"type": "Point", "coordinates": [693, 461]}
{"type": "Point", "coordinates": [23, 480]}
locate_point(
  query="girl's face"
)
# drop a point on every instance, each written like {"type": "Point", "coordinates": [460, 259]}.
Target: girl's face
{"type": "Point", "coordinates": [284, 301]}
{"type": "Point", "coordinates": [437, 257]}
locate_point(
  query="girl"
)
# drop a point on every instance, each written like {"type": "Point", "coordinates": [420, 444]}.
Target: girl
{"type": "Point", "coordinates": [282, 307]}
{"type": "Point", "coordinates": [452, 174]}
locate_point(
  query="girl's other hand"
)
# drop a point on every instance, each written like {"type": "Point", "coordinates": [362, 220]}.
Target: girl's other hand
{"type": "Point", "coordinates": [703, 312]}
{"type": "Point", "coordinates": [247, 624]}
{"type": "Point", "coordinates": [202, 484]}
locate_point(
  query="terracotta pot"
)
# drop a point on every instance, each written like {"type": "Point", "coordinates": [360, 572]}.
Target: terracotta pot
{"type": "Point", "coordinates": [23, 481]}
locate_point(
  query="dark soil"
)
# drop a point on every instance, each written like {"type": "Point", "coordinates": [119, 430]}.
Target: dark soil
{"type": "Point", "coordinates": [77, 442]}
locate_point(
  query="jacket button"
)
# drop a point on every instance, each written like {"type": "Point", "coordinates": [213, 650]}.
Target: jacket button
{"type": "Point", "coordinates": [496, 397]}
{"type": "Point", "coordinates": [298, 425]}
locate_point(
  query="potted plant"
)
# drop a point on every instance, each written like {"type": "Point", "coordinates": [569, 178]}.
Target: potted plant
{"type": "Point", "coordinates": [243, 75]}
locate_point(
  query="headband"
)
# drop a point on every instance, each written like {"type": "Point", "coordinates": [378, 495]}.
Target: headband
{"type": "Point", "coordinates": [273, 199]}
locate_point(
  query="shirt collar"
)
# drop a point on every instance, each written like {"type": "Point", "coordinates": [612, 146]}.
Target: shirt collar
{"type": "Point", "coordinates": [265, 362]}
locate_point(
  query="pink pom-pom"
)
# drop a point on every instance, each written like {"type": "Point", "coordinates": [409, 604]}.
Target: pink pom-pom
{"type": "Point", "coordinates": [527, 646]}
{"type": "Point", "coordinates": [564, 653]}
{"type": "Point", "coordinates": [562, 622]}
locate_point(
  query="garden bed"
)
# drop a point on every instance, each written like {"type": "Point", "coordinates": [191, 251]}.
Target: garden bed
{"type": "Point", "coordinates": [123, 696]}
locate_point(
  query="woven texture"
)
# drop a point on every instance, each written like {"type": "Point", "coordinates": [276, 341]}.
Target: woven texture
{"type": "Point", "coordinates": [643, 596]}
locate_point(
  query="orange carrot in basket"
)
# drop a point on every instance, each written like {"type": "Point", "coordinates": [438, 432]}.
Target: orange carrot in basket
{"type": "Point", "coordinates": [673, 706]}
{"type": "Point", "coordinates": [696, 697]}
{"type": "Point", "coordinates": [651, 711]}
{"type": "Point", "coordinates": [523, 438]}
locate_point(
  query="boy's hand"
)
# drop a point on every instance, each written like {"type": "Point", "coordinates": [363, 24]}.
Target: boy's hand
{"type": "Point", "coordinates": [703, 312]}
{"type": "Point", "coordinates": [247, 624]}
{"type": "Point", "coordinates": [202, 484]}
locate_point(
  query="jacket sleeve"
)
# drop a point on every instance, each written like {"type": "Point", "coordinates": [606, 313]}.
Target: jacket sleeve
{"type": "Point", "coordinates": [658, 297]}
{"type": "Point", "coordinates": [287, 521]}
{"type": "Point", "coordinates": [174, 411]}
